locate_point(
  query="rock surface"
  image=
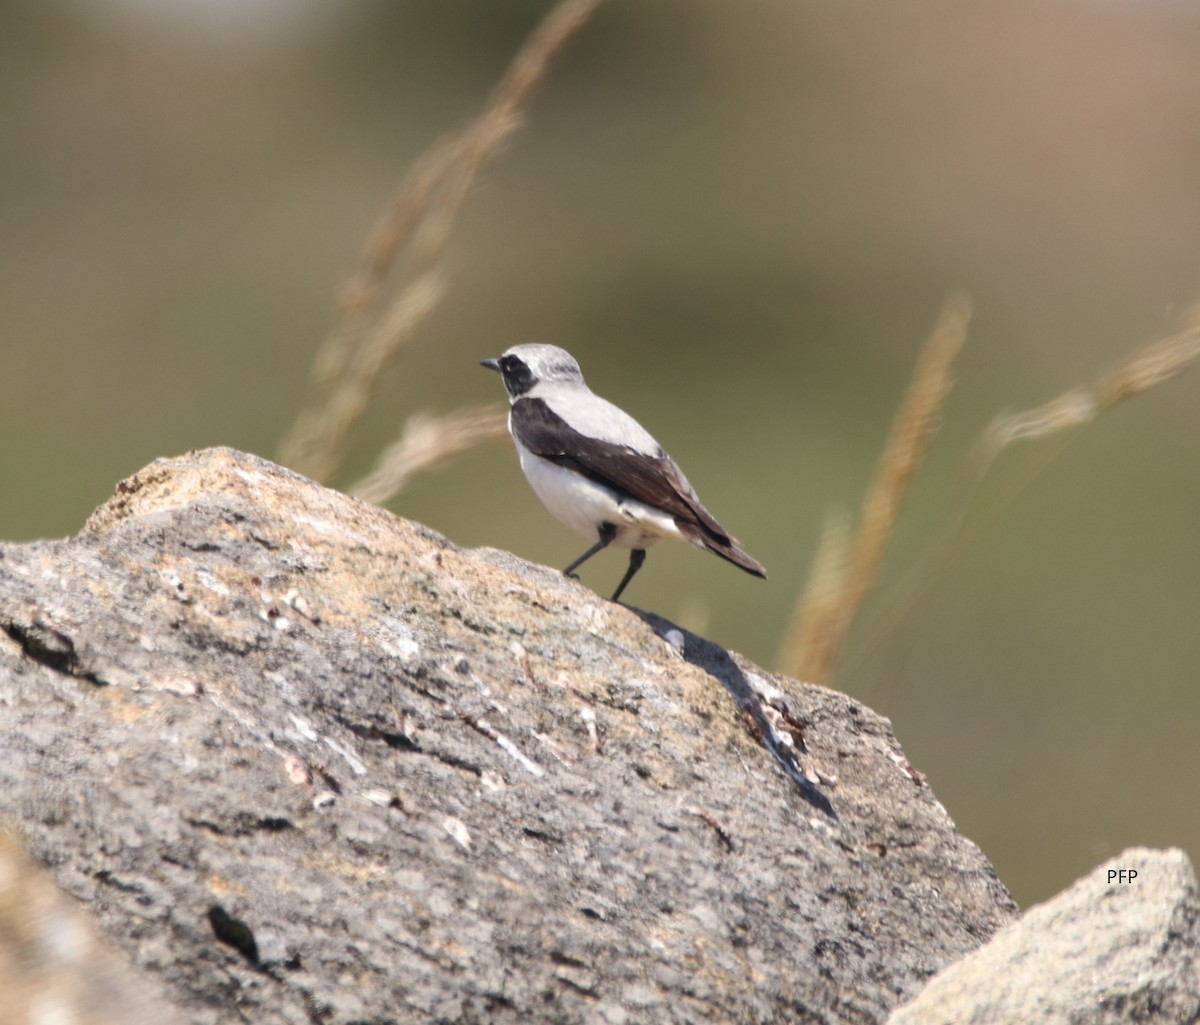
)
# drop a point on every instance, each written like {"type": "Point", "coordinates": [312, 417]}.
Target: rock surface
{"type": "Point", "coordinates": [1110, 950]}
{"type": "Point", "coordinates": [303, 761]}
{"type": "Point", "coordinates": [54, 969]}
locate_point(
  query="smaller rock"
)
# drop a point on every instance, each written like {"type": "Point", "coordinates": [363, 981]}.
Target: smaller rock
{"type": "Point", "coordinates": [1121, 945]}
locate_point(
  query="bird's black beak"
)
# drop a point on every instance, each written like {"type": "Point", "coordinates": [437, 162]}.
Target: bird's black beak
{"type": "Point", "coordinates": [491, 364]}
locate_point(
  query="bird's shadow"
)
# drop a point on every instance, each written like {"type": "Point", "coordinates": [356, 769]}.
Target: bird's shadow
{"type": "Point", "coordinates": [717, 662]}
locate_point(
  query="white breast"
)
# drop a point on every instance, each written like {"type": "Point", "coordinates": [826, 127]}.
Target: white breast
{"type": "Point", "coordinates": [583, 505]}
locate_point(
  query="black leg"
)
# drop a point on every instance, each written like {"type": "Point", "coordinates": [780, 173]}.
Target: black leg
{"type": "Point", "coordinates": [607, 533]}
{"type": "Point", "coordinates": [636, 558]}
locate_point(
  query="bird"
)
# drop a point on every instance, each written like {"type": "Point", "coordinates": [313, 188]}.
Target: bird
{"type": "Point", "coordinates": [596, 469]}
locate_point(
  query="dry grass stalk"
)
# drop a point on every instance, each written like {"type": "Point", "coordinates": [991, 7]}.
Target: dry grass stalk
{"type": "Point", "coordinates": [805, 652]}
{"type": "Point", "coordinates": [828, 624]}
{"type": "Point", "coordinates": [318, 437]}
{"type": "Point", "coordinates": [453, 160]}
{"type": "Point", "coordinates": [425, 442]}
{"type": "Point", "coordinates": [418, 221]}
{"type": "Point", "coordinates": [1146, 368]}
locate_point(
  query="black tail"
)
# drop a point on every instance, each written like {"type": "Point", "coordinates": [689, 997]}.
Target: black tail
{"type": "Point", "coordinates": [732, 553]}
{"type": "Point", "coordinates": [720, 543]}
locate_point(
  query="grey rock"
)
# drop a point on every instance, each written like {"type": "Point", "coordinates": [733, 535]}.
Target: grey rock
{"type": "Point", "coordinates": [1109, 950]}
{"type": "Point", "coordinates": [303, 761]}
{"type": "Point", "coordinates": [54, 968]}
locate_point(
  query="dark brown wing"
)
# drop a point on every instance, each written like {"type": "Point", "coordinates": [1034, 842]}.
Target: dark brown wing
{"type": "Point", "coordinates": [652, 479]}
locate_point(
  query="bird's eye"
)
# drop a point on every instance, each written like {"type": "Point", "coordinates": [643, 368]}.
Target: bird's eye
{"type": "Point", "coordinates": [518, 378]}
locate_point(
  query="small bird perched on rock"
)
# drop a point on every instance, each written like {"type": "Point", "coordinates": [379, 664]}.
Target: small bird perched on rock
{"type": "Point", "coordinates": [597, 469]}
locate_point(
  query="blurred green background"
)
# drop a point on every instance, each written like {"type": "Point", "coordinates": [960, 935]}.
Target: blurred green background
{"type": "Point", "coordinates": [742, 218]}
